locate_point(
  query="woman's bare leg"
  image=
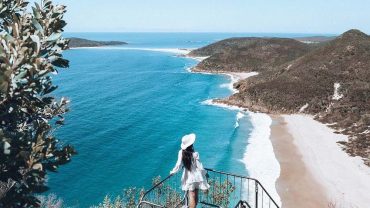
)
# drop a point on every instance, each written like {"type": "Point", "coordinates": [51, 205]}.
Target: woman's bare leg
{"type": "Point", "coordinates": [196, 192]}
{"type": "Point", "coordinates": [191, 197]}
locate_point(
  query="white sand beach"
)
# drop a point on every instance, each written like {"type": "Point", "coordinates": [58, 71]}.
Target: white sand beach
{"type": "Point", "coordinates": [344, 180]}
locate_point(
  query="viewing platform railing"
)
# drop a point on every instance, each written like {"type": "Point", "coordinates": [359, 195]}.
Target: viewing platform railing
{"type": "Point", "coordinates": [226, 190]}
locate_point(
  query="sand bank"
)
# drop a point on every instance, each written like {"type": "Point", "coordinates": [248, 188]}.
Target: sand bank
{"type": "Point", "coordinates": [314, 168]}
{"type": "Point", "coordinates": [296, 186]}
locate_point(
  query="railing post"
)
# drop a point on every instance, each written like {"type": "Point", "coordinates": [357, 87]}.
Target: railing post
{"type": "Point", "coordinates": [256, 186]}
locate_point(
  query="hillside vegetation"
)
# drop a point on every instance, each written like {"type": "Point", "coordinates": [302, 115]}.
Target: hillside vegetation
{"type": "Point", "coordinates": [249, 54]}
{"type": "Point", "coordinates": [330, 81]}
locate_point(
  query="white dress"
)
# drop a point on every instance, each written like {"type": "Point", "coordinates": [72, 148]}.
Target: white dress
{"type": "Point", "coordinates": [194, 179]}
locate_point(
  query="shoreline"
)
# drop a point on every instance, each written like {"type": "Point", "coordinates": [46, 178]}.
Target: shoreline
{"type": "Point", "coordinates": [304, 181]}
{"type": "Point", "coordinates": [344, 179]}
{"type": "Point", "coordinates": [259, 157]}
{"type": "Point", "coordinates": [313, 170]}
{"type": "Point", "coordinates": [296, 186]}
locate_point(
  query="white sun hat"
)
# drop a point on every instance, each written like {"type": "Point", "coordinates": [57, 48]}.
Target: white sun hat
{"type": "Point", "coordinates": [187, 141]}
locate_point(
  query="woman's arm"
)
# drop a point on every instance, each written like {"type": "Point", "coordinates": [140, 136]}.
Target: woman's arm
{"type": "Point", "coordinates": [178, 163]}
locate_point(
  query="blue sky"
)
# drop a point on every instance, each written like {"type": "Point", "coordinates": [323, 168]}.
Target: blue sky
{"type": "Point", "coordinates": [274, 16]}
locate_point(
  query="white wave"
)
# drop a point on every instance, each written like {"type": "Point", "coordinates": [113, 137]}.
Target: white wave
{"type": "Point", "coordinates": [259, 157]}
{"type": "Point", "coordinates": [188, 69]}
{"type": "Point", "coordinates": [226, 85]}
{"type": "Point", "coordinates": [221, 105]}
{"type": "Point", "coordinates": [239, 116]}
{"type": "Point", "coordinates": [234, 78]}
{"type": "Point", "coordinates": [207, 102]}
{"type": "Point", "coordinates": [178, 51]}
{"type": "Point", "coordinates": [198, 58]}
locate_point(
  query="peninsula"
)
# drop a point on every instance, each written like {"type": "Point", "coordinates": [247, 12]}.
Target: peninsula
{"type": "Point", "coordinates": [317, 91]}
{"type": "Point", "coordinates": [80, 42]}
{"type": "Point", "coordinates": [330, 81]}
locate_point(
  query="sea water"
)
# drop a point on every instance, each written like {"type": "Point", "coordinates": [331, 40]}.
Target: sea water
{"type": "Point", "coordinates": [130, 108]}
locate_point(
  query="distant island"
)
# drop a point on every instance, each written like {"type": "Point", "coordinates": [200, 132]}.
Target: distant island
{"type": "Point", "coordinates": [80, 42]}
{"type": "Point", "coordinates": [329, 79]}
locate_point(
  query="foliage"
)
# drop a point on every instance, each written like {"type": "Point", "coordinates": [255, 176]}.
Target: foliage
{"type": "Point", "coordinates": [128, 200]}
{"type": "Point", "coordinates": [131, 196]}
{"type": "Point", "coordinates": [220, 192]}
{"type": "Point", "coordinates": [166, 192]}
{"type": "Point", "coordinates": [167, 195]}
{"type": "Point", "coordinates": [50, 201]}
{"type": "Point", "coordinates": [30, 50]}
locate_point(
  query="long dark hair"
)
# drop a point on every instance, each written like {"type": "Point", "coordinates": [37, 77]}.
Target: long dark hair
{"type": "Point", "coordinates": [187, 157]}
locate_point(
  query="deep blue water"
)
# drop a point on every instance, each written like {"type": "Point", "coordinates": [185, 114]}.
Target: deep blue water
{"type": "Point", "coordinates": [129, 110]}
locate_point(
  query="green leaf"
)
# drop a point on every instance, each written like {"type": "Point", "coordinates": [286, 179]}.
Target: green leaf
{"type": "Point", "coordinates": [36, 39]}
{"type": "Point", "coordinates": [21, 75]}
{"type": "Point", "coordinates": [8, 37]}
{"type": "Point", "coordinates": [54, 37]}
{"type": "Point", "coordinates": [50, 89]}
{"type": "Point", "coordinates": [62, 63]}
{"type": "Point", "coordinates": [36, 13]}
{"type": "Point", "coordinates": [37, 25]}
{"type": "Point", "coordinates": [47, 3]}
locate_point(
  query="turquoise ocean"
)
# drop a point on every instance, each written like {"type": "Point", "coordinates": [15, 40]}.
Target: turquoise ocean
{"type": "Point", "coordinates": [130, 106]}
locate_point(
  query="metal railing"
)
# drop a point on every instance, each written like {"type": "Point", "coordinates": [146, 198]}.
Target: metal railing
{"type": "Point", "coordinates": [226, 190]}
{"type": "Point", "coordinates": [164, 193]}
{"type": "Point", "coordinates": [242, 204]}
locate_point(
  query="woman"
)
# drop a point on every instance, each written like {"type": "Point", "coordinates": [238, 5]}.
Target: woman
{"type": "Point", "coordinates": [194, 176]}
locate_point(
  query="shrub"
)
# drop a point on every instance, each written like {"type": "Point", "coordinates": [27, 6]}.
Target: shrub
{"type": "Point", "coordinates": [30, 50]}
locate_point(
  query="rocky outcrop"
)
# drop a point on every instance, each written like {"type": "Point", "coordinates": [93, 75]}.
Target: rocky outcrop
{"type": "Point", "coordinates": [80, 42]}
{"type": "Point", "coordinates": [330, 81]}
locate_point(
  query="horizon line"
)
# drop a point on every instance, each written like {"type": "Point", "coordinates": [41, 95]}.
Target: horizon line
{"type": "Point", "coordinates": [200, 32]}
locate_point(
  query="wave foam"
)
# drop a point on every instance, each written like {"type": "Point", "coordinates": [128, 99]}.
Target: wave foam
{"type": "Point", "coordinates": [198, 58]}
{"type": "Point", "coordinates": [221, 105]}
{"type": "Point", "coordinates": [259, 157]}
{"type": "Point", "coordinates": [239, 116]}
{"type": "Point", "coordinates": [226, 85]}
